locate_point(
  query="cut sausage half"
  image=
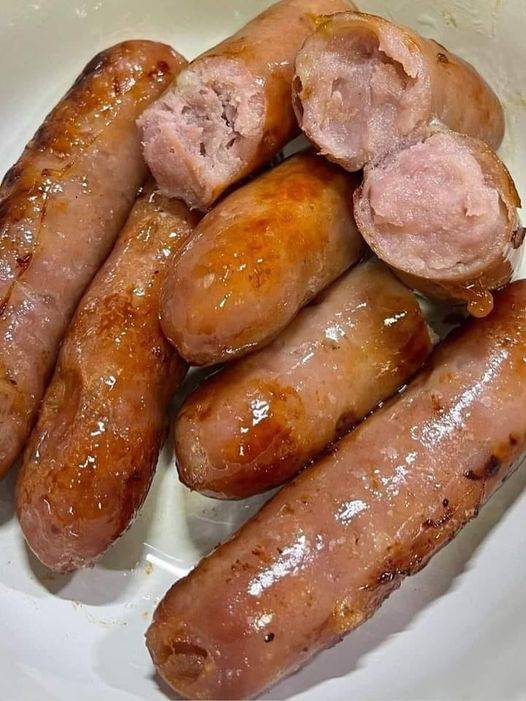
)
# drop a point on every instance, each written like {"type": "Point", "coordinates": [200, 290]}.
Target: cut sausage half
{"type": "Point", "coordinates": [442, 212]}
{"type": "Point", "coordinates": [363, 85]}
{"type": "Point", "coordinates": [231, 110]}
{"type": "Point", "coordinates": [198, 136]}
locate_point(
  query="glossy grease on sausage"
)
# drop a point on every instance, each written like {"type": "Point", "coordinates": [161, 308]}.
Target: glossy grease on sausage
{"type": "Point", "coordinates": [324, 553]}
{"type": "Point", "coordinates": [258, 257]}
{"type": "Point", "coordinates": [61, 208]}
{"type": "Point", "coordinates": [255, 424]}
{"type": "Point", "coordinates": [363, 85]}
{"type": "Point", "coordinates": [93, 452]}
{"type": "Point", "coordinates": [231, 110]}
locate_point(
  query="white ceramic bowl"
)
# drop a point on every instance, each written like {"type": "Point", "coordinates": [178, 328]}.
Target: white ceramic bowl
{"type": "Point", "coordinates": [455, 631]}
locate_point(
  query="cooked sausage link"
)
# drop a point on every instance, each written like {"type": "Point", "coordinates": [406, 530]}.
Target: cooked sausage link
{"type": "Point", "coordinates": [258, 257]}
{"type": "Point", "coordinates": [324, 553]}
{"type": "Point", "coordinates": [93, 452]}
{"type": "Point", "coordinates": [255, 424]}
{"type": "Point", "coordinates": [61, 208]}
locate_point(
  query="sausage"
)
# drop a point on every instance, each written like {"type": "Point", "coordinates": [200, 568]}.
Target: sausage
{"type": "Point", "coordinates": [93, 452]}
{"type": "Point", "coordinates": [231, 110]}
{"type": "Point", "coordinates": [255, 424]}
{"type": "Point", "coordinates": [363, 85]}
{"type": "Point", "coordinates": [442, 212]}
{"type": "Point", "coordinates": [324, 553]}
{"type": "Point", "coordinates": [258, 257]}
{"type": "Point", "coordinates": [61, 208]}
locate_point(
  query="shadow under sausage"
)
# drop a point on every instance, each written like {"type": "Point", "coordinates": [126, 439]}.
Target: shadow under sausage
{"type": "Point", "coordinates": [128, 552]}
{"type": "Point", "coordinates": [404, 605]}
{"type": "Point", "coordinates": [53, 582]}
{"type": "Point", "coordinates": [212, 521]}
{"type": "Point", "coordinates": [91, 586]}
{"type": "Point", "coordinates": [7, 495]}
{"type": "Point", "coordinates": [194, 377]}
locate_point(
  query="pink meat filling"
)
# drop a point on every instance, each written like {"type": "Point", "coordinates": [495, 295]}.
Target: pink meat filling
{"type": "Point", "coordinates": [433, 210]}
{"type": "Point", "coordinates": [360, 94]}
{"type": "Point", "coordinates": [197, 134]}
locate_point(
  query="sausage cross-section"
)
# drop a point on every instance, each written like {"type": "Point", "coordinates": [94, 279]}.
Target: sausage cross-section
{"type": "Point", "coordinates": [442, 212]}
{"type": "Point", "coordinates": [324, 553]}
{"type": "Point", "coordinates": [258, 257]}
{"type": "Point", "coordinates": [61, 208]}
{"type": "Point", "coordinates": [231, 110]}
{"type": "Point", "coordinates": [363, 85]}
{"type": "Point", "coordinates": [93, 452]}
{"type": "Point", "coordinates": [255, 424]}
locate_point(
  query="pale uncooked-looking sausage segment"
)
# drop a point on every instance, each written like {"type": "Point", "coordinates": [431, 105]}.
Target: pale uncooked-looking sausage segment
{"type": "Point", "coordinates": [93, 452]}
{"type": "Point", "coordinates": [324, 553]}
{"type": "Point", "coordinates": [61, 208]}
{"type": "Point", "coordinates": [363, 85]}
{"type": "Point", "coordinates": [231, 110]}
{"type": "Point", "coordinates": [255, 424]}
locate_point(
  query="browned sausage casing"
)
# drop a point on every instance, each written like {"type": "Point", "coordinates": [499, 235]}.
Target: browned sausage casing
{"type": "Point", "coordinates": [231, 110]}
{"type": "Point", "coordinates": [258, 257]}
{"type": "Point", "coordinates": [254, 425]}
{"type": "Point", "coordinates": [61, 208]}
{"type": "Point", "coordinates": [364, 84]}
{"type": "Point", "coordinates": [442, 212]}
{"type": "Point", "coordinates": [325, 552]}
{"type": "Point", "coordinates": [93, 452]}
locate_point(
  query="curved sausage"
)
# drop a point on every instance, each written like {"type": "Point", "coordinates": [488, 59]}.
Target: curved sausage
{"type": "Point", "coordinates": [363, 85]}
{"type": "Point", "coordinates": [442, 212]}
{"type": "Point", "coordinates": [231, 110]}
{"type": "Point", "coordinates": [255, 424]}
{"type": "Point", "coordinates": [258, 257]}
{"type": "Point", "coordinates": [61, 208]}
{"type": "Point", "coordinates": [324, 553]}
{"type": "Point", "coordinates": [93, 452]}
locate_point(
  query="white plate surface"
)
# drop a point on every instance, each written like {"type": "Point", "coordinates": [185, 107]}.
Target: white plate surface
{"type": "Point", "coordinates": [455, 631]}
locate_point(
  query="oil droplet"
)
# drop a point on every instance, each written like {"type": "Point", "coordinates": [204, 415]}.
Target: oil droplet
{"type": "Point", "coordinates": [482, 306]}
